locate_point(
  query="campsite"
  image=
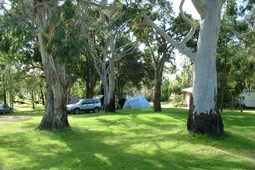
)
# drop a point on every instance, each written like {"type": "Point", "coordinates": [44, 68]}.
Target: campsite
{"type": "Point", "coordinates": [125, 84]}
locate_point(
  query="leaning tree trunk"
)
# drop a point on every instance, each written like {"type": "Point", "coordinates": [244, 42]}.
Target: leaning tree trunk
{"type": "Point", "coordinates": [204, 116]}
{"type": "Point", "coordinates": [157, 88]}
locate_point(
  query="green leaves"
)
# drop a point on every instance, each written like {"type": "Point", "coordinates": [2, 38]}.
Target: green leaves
{"type": "Point", "coordinates": [65, 42]}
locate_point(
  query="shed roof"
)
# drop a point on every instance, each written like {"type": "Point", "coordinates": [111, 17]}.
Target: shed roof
{"type": "Point", "coordinates": [188, 90]}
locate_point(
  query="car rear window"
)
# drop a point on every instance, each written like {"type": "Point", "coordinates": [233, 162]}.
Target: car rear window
{"type": "Point", "coordinates": [95, 101]}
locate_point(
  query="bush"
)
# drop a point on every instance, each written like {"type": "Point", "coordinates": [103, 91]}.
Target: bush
{"type": "Point", "coordinates": [180, 104]}
{"type": "Point", "coordinates": [178, 101]}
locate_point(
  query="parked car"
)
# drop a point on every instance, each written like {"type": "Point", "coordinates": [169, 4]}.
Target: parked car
{"type": "Point", "coordinates": [84, 105]}
{"type": "Point", "coordinates": [5, 109]}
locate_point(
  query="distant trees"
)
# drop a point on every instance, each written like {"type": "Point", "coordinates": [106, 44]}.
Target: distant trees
{"type": "Point", "coordinates": [72, 41]}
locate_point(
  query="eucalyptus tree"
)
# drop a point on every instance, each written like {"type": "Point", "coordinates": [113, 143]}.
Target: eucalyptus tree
{"type": "Point", "coordinates": [53, 26]}
{"type": "Point", "coordinates": [224, 52]}
{"type": "Point", "coordinates": [204, 115]}
{"type": "Point", "coordinates": [102, 31]}
{"type": "Point", "coordinates": [58, 37]}
{"type": "Point", "coordinates": [10, 51]}
{"type": "Point", "coordinates": [156, 46]}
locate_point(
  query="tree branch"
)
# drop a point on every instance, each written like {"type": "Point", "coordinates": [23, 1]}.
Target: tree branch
{"type": "Point", "coordinates": [238, 34]}
{"type": "Point", "coordinates": [200, 7]}
{"type": "Point", "coordinates": [179, 46]}
{"type": "Point", "coordinates": [110, 7]}
{"type": "Point", "coordinates": [192, 24]}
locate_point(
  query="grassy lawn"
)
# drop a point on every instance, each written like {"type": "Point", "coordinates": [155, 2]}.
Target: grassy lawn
{"type": "Point", "coordinates": [132, 140]}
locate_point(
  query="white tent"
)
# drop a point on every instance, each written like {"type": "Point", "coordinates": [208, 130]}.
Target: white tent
{"type": "Point", "coordinates": [136, 102]}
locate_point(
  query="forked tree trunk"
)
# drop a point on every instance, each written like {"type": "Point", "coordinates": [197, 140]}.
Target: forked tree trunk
{"type": "Point", "coordinates": [204, 116]}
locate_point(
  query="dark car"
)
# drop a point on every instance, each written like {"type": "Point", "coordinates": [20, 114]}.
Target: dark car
{"type": "Point", "coordinates": [5, 109]}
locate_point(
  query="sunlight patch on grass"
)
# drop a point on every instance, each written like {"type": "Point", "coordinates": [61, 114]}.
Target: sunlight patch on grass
{"type": "Point", "coordinates": [103, 158]}
{"type": "Point", "coordinates": [128, 139]}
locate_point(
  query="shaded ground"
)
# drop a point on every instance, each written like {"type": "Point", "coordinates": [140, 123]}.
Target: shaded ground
{"type": "Point", "coordinates": [134, 139]}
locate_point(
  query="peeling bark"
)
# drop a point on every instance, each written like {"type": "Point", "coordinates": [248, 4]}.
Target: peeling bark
{"type": "Point", "coordinates": [55, 115]}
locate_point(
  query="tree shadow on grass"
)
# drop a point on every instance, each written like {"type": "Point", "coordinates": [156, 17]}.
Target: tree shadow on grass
{"type": "Point", "coordinates": [139, 146]}
{"type": "Point", "coordinates": [83, 149]}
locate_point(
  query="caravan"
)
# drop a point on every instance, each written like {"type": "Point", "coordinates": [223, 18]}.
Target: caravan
{"type": "Point", "coordinates": [247, 99]}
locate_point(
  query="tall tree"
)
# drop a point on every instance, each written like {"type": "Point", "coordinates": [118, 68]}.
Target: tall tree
{"type": "Point", "coordinates": [103, 34]}
{"type": "Point", "coordinates": [53, 24]}
{"type": "Point", "coordinates": [156, 46]}
{"type": "Point", "coordinates": [204, 115]}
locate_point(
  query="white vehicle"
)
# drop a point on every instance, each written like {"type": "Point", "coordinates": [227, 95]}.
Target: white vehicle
{"type": "Point", "coordinates": [248, 99]}
{"type": "Point", "coordinates": [84, 105]}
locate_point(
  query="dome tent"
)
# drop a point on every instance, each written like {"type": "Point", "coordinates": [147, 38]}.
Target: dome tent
{"type": "Point", "coordinates": [136, 102]}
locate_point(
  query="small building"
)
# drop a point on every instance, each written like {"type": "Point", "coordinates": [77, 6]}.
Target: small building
{"type": "Point", "coordinates": [188, 95]}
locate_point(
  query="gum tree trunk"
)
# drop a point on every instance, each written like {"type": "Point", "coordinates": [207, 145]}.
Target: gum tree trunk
{"type": "Point", "coordinates": [106, 87]}
{"type": "Point", "coordinates": [157, 88]}
{"type": "Point", "coordinates": [55, 115]}
{"type": "Point", "coordinates": [204, 116]}
{"type": "Point", "coordinates": [111, 93]}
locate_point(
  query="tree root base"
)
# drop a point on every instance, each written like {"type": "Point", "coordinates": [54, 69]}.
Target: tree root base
{"type": "Point", "coordinates": [49, 124]}
{"type": "Point", "coordinates": [205, 123]}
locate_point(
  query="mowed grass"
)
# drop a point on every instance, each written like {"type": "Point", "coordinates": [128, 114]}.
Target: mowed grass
{"type": "Point", "coordinates": [130, 139]}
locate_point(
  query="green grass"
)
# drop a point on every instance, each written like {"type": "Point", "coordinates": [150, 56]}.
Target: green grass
{"type": "Point", "coordinates": [132, 140]}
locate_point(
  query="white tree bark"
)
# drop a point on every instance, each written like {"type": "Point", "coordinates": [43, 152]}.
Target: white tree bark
{"type": "Point", "coordinates": [205, 80]}
{"type": "Point", "coordinates": [204, 115]}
